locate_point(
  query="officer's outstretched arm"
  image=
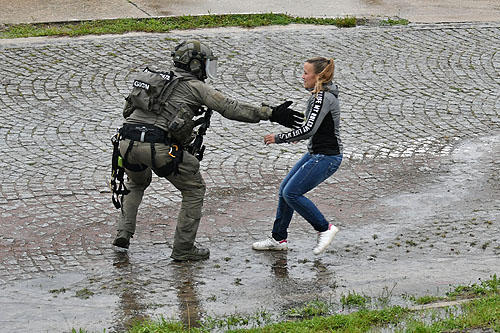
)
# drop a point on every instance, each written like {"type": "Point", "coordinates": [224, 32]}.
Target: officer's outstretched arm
{"type": "Point", "coordinates": [230, 108]}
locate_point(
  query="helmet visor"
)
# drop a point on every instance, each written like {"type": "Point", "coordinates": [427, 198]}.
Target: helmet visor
{"type": "Point", "coordinates": [211, 68]}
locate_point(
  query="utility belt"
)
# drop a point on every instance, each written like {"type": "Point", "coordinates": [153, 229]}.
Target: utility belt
{"type": "Point", "coordinates": [144, 133]}
{"type": "Point", "coordinates": [151, 134]}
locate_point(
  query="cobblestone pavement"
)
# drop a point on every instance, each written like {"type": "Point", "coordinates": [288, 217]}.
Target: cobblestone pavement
{"type": "Point", "coordinates": [416, 198]}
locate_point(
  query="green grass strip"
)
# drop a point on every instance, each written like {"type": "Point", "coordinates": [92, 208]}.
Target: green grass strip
{"type": "Point", "coordinates": [481, 313]}
{"type": "Point", "coordinates": [165, 24]}
{"type": "Point", "coordinates": [478, 314]}
{"type": "Point", "coordinates": [360, 321]}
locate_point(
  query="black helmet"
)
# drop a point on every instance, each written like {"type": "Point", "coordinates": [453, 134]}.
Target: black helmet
{"type": "Point", "coordinates": [196, 58]}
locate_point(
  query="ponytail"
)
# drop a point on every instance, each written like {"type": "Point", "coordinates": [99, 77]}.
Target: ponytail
{"type": "Point", "coordinates": [324, 68]}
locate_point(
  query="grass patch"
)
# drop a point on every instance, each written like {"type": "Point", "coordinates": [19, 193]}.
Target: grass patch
{"type": "Point", "coordinates": [58, 291]}
{"type": "Point", "coordinates": [311, 309]}
{"type": "Point", "coordinates": [164, 24]}
{"type": "Point", "coordinates": [397, 21]}
{"type": "Point", "coordinates": [354, 300]}
{"type": "Point", "coordinates": [428, 300]}
{"type": "Point", "coordinates": [158, 326]}
{"type": "Point", "coordinates": [485, 288]}
{"type": "Point", "coordinates": [84, 293]}
{"type": "Point", "coordinates": [361, 321]}
{"type": "Point", "coordinates": [478, 314]}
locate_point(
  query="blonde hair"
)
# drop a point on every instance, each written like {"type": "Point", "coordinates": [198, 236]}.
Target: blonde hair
{"type": "Point", "coordinates": [324, 68]}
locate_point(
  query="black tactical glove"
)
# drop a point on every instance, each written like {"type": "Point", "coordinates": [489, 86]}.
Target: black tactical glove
{"type": "Point", "coordinates": [286, 116]}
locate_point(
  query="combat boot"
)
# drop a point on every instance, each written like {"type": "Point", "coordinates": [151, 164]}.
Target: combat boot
{"type": "Point", "coordinates": [195, 254]}
{"type": "Point", "coordinates": [122, 239]}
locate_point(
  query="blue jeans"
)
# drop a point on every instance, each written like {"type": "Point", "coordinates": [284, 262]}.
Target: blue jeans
{"type": "Point", "coordinates": [306, 174]}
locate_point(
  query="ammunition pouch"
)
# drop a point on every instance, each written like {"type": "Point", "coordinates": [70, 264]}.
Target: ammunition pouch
{"type": "Point", "coordinates": [182, 125]}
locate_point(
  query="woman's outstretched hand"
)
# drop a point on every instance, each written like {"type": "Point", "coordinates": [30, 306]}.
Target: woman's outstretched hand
{"type": "Point", "coordinates": [268, 139]}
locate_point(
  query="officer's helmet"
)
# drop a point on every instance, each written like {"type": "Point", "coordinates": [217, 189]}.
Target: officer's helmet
{"type": "Point", "coordinates": [196, 58]}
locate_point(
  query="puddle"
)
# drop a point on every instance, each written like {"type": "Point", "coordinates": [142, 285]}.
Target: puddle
{"type": "Point", "coordinates": [452, 191]}
{"type": "Point", "coordinates": [50, 304]}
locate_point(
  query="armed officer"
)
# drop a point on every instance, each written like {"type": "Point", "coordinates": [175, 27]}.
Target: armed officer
{"type": "Point", "coordinates": [156, 139]}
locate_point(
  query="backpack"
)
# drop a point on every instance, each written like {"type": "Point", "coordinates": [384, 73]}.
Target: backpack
{"type": "Point", "coordinates": [150, 90]}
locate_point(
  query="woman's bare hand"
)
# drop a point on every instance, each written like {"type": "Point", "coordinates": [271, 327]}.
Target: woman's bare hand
{"type": "Point", "coordinates": [268, 139]}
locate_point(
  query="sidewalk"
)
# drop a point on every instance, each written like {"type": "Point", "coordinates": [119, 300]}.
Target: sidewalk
{"type": "Point", "coordinates": [428, 11]}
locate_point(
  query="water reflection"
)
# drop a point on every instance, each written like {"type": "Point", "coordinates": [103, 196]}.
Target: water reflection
{"type": "Point", "coordinates": [132, 281]}
{"type": "Point", "coordinates": [188, 300]}
{"type": "Point", "coordinates": [130, 309]}
{"type": "Point", "coordinates": [280, 265]}
{"type": "Point", "coordinates": [323, 276]}
{"type": "Point", "coordinates": [121, 259]}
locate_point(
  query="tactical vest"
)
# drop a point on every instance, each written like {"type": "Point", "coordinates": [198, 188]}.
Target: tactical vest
{"type": "Point", "coordinates": [150, 93]}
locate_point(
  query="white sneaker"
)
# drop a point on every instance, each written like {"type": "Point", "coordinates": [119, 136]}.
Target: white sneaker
{"type": "Point", "coordinates": [325, 238]}
{"type": "Point", "coordinates": [270, 244]}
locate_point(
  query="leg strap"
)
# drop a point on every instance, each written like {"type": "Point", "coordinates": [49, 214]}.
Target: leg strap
{"type": "Point", "coordinates": [173, 166]}
{"type": "Point", "coordinates": [130, 166]}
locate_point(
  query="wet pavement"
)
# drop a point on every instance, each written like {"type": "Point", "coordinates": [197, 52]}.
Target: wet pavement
{"type": "Point", "coordinates": [416, 199]}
